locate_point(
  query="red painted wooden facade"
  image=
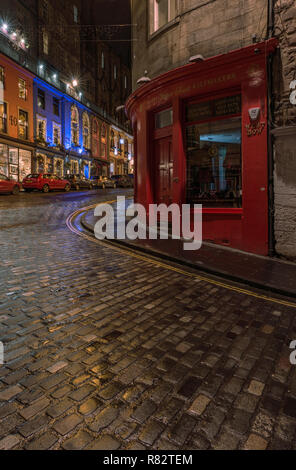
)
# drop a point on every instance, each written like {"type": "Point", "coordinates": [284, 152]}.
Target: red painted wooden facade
{"type": "Point", "coordinates": [160, 157]}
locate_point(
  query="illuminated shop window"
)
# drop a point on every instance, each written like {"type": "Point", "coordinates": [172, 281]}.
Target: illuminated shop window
{"type": "Point", "coordinates": [3, 117]}
{"type": "Point", "coordinates": [74, 126]}
{"type": "Point", "coordinates": [23, 124]}
{"type": "Point", "coordinates": [213, 152]}
{"type": "Point", "coordinates": [161, 13]}
{"type": "Point", "coordinates": [22, 89]}
{"type": "Point", "coordinates": [86, 133]}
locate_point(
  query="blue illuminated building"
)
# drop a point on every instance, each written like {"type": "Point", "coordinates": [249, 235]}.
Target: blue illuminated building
{"type": "Point", "coordinates": [61, 132]}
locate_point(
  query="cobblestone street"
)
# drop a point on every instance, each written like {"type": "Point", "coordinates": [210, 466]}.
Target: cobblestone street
{"type": "Point", "coordinates": [106, 351]}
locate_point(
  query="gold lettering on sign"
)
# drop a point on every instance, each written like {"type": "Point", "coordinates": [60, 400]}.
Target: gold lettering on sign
{"type": "Point", "coordinates": [255, 129]}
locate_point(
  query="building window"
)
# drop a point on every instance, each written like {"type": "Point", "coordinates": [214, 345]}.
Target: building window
{"type": "Point", "coordinates": [86, 136]}
{"type": "Point", "coordinates": [125, 82]}
{"type": "Point", "coordinates": [161, 13]}
{"type": "Point", "coordinates": [44, 10]}
{"type": "Point", "coordinates": [120, 143]}
{"type": "Point", "coordinates": [41, 99]}
{"type": "Point", "coordinates": [74, 126]}
{"type": "Point", "coordinates": [41, 129]}
{"type": "Point", "coordinates": [213, 150]}
{"type": "Point", "coordinates": [95, 138]}
{"type": "Point", "coordinates": [2, 78]}
{"type": "Point", "coordinates": [103, 142]}
{"type": "Point", "coordinates": [103, 60]}
{"type": "Point", "coordinates": [3, 117]}
{"type": "Point", "coordinates": [164, 119]}
{"type": "Point", "coordinates": [115, 72]}
{"type": "Point", "coordinates": [56, 134]}
{"type": "Point", "coordinates": [56, 106]}
{"type": "Point", "coordinates": [22, 89]}
{"type": "Point", "coordinates": [112, 140]}
{"type": "Point", "coordinates": [75, 11]}
{"type": "Point", "coordinates": [23, 124]}
{"type": "Point", "coordinates": [45, 42]}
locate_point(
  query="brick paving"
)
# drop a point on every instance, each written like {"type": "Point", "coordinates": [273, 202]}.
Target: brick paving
{"type": "Point", "coordinates": [105, 351]}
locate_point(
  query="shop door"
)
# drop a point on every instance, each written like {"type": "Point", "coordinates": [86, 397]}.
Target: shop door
{"type": "Point", "coordinates": [164, 170]}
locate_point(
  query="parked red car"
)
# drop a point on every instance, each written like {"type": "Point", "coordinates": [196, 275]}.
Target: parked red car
{"type": "Point", "coordinates": [8, 185]}
{"type": "Point", "coordinates": [45, 182]}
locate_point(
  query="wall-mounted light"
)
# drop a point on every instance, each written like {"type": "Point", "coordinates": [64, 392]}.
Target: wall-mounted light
{"type": "Point", "coordinates": [13, 36]}
{"type": "Point", "coordinates": [5, 27]}
{"type": "Point", "coordinates": [75, 82]}
{"type": "Point", "coordinates": [54, 76]}
{"type": "Point", "coordinates": [41, 66]}
{"type": "Point", "coordinates": [196, 58]}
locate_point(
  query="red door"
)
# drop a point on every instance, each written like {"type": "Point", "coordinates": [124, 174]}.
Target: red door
{"type": "Point", "coordinates": [164, 170]}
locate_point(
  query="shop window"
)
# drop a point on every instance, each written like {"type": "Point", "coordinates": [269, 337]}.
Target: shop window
{"type": "Point", "coordinates": [74, 126]}
{"type": "Point", "coordinates": [2, 78]}
{"type": "Point", "coordinates": [164, 118]}
{"type": "Point", "coordinates": [213, 151]}
{"type": "Point", "coordinates": [56, 137]}
{"type": "Point", "coordinates": [23, 124]}
{"type": "Point", "coordinates": [22, 89]}
{"type": "Point", "coordinates": [3, 117]}
{"type": "Point", "coordinates": [86, 134]}
{"type": "Point", "coordinates": [41, 99]}
{"type": "Point", "coordinates": [4, 159]}
{"type": "Point", "coordinates": [13, 163]}
{"type": "Point", "coordinates": [25, 157]}
{"type": "Point", "coordinates": [41, 129]}
{"type": "Point", "coordinates": [161, 13]}
{"type": "Point", "coordinates": [56, 106]}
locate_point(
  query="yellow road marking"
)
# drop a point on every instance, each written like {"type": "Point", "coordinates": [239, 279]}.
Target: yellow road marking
{"type": "Point", "coordinates": [150, 260]}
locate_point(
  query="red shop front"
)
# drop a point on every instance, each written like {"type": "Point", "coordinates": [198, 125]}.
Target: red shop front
{"type": "Point", "coordinates": [201, 138]}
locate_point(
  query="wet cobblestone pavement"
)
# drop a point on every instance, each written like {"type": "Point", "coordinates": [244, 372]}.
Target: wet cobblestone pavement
{"type": "Point", "coordinates": [105, 351]}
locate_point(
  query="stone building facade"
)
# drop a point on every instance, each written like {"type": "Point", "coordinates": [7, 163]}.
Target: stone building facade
{"type": "Point", "coordinates": [167, 38]}
{"type": "Point", "coordinates": [284, 132]}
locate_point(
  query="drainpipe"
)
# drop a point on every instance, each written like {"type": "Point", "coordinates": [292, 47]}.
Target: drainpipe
{"type": "Point", "coordinates": [270, 114]}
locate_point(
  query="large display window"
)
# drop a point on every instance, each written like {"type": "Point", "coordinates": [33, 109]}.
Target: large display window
{"type": "Point", "coordinates": [213, 153]}
{"type": "Point", "coordinates": [15, 162]}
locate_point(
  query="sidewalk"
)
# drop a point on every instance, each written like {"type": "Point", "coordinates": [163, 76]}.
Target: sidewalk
{"type": "Point", "coordinates": [273, 274]}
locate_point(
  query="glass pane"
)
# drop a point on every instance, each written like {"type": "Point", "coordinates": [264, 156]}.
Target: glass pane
{"type": "Point", "coordinates": [163, 12]}
{"type": "Point", "coordinates": [4, 159]}
{"type": "Point", "coordinates": [214, 166]}
{"type": "Point", "coordinates": [24, 163]}
{"type": "Point", "coordinates": [164, 119]}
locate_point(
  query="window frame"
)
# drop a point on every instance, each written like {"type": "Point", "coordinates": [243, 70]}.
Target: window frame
{"type": "Point", "coordinates": [20, 110]}
{"type": "Point", "coordinates": [25, 89]}
{"type": "Point", "coordinates": [38, 120]}
{"type": "Point", "coordinates": [153, 28]}
{"type": "Point", "coordinates": [56, 125]}
{"type": "Point", "coordinates": [85, 137]}
{"type": "Point", "coordinates": [42, 93]}
{"type": "Point", "coordinates": [5, 103]}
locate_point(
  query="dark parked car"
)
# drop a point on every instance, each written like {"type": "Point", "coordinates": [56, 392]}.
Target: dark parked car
{"type": "Point", "coordinates": [125, 182]}
{"type": "Point", "coordinates": [8, 185]}
{"type": "Point", "coordinates": [79, 182]}
{"type": "Point", "coordinates": [45, 182]}
{"type": "Point", "coordinates": [106, 183]}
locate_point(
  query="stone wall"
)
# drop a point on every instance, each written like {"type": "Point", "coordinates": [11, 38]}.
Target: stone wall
{"type": "Point", "coordinates": [284, 72]}
{"type": "Point", "coordinates": [207, 27]}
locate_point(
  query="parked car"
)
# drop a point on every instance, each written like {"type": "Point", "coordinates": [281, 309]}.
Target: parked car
{"type": "Point", "coordinates": [45, 182]}
{"type": "Point", "coordinates": [125, 182]}
{"type": "Point", "coordinates": [106, 183]}
{"type": "Point", "coordinates": [8, 185]}
{"type": "Point", "coordinates": [79, 182]}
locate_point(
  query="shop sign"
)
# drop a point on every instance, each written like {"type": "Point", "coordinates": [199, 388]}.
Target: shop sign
{"type": "Point", "coordinates": [293, 93]}
{"type": "Point", "coordinates": [215, 108]}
